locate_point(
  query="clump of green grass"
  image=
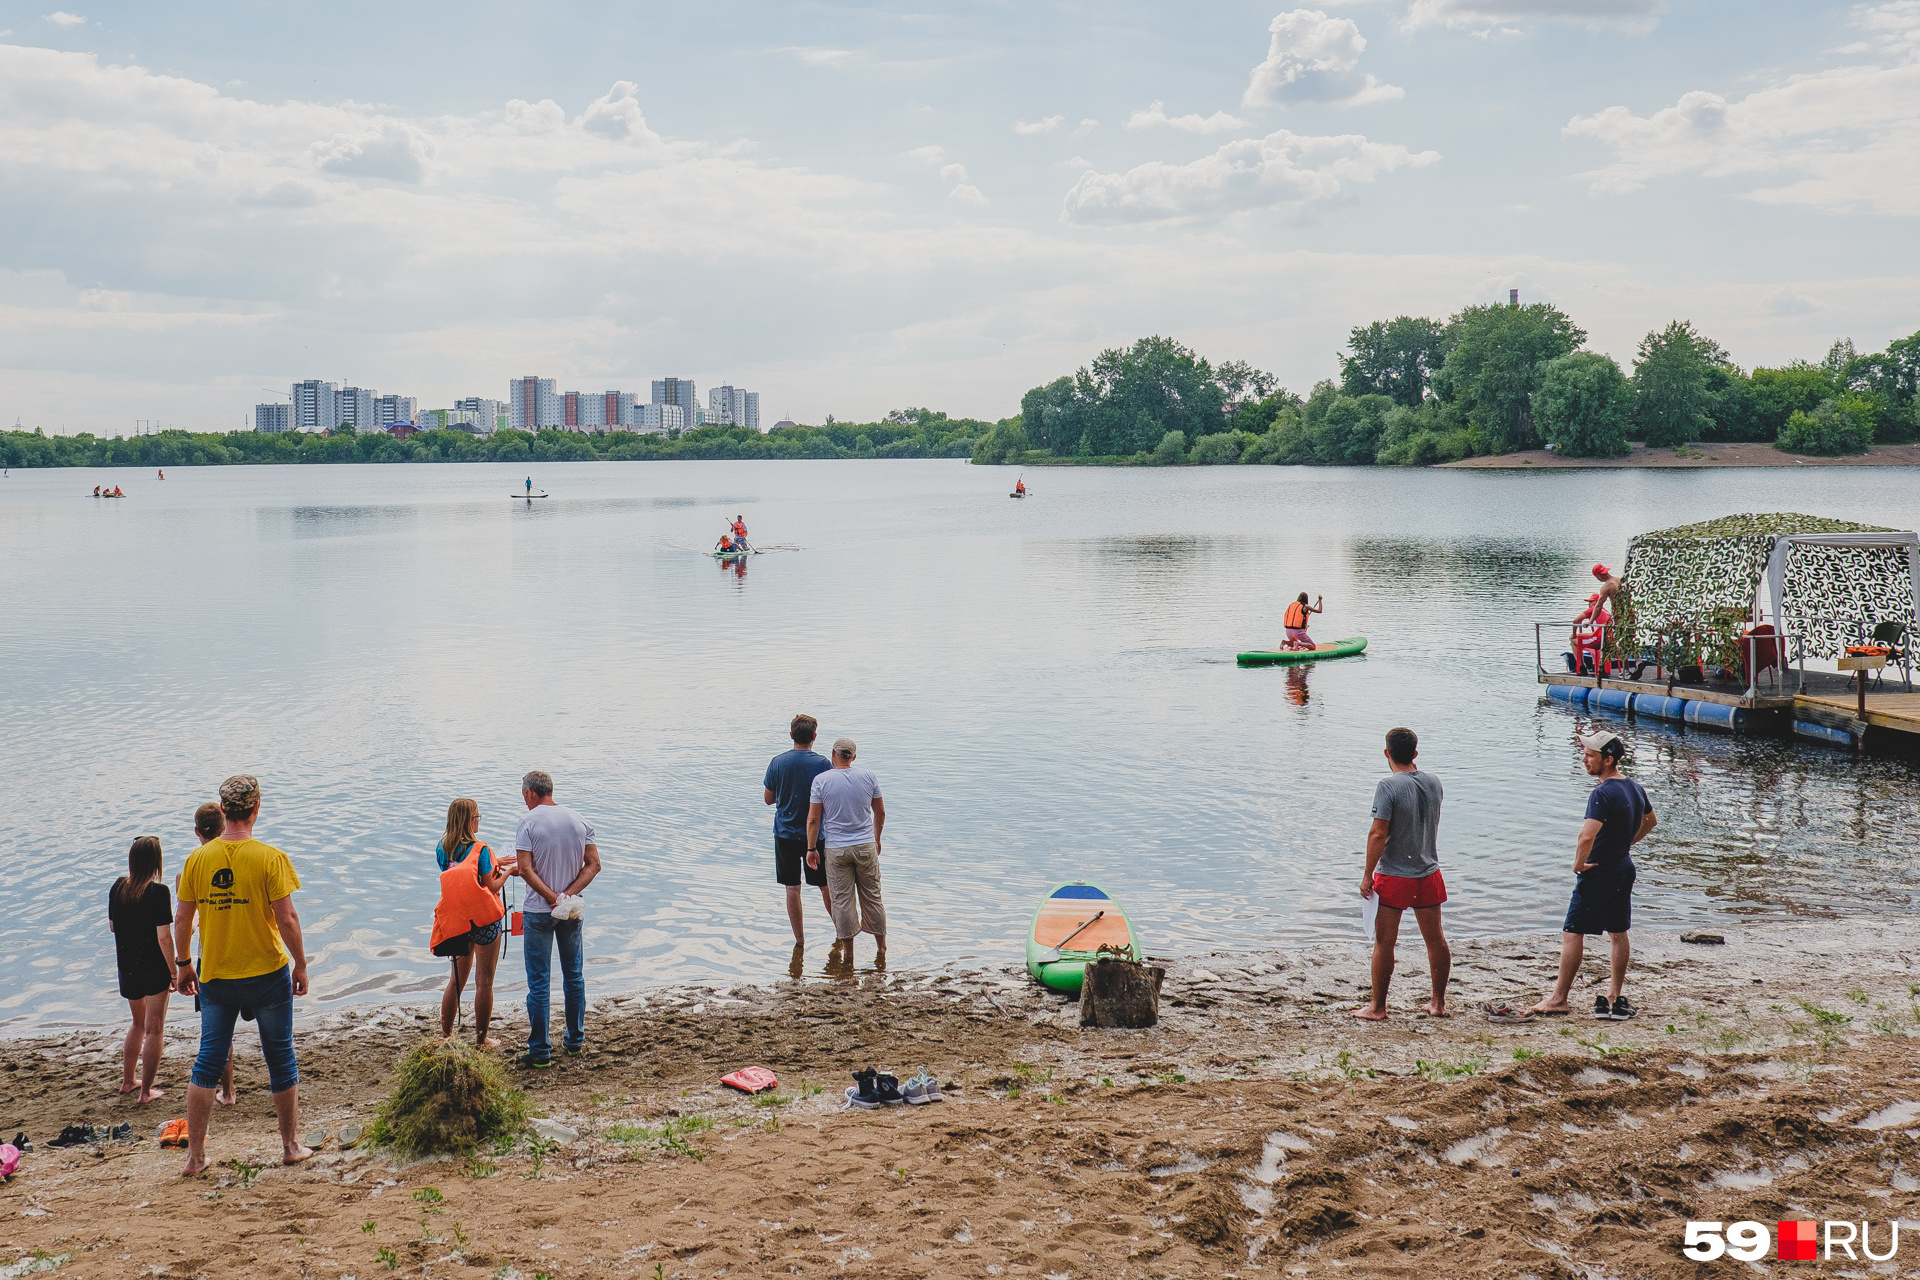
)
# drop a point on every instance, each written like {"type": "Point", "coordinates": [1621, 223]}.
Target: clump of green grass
{"type": "Point", "coordinates": [1449, 1070]}
{"type": "Point", "coordinates": [1522, 1055]}
{"type": "Point", "coordinates": [449, 1098]}
{"type": "Point", "coordinates": [1825, 1017]}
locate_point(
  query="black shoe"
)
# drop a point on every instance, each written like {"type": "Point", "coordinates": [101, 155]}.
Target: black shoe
{"type": "Point", "coordinates": [888, 1089]}
{"type": "Point", "coordinates": [868, 1093]}
{"type": "Point", "coordinates": [531, 1063]}
{"type": "Point", "coordinates": [574, 1050]}
{"type": "Point", "coordinates": [1600, 1007]}
{"type": "Point", "coordinates": [20, 1142]}
{"type": "Point", "coordinates": [1623, 1009]}
{"type": "Point", "coordinates": [74, 1135]}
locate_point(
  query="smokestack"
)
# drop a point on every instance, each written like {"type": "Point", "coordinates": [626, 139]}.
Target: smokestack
{"type": "Point", "coordinates": [1513, 297]}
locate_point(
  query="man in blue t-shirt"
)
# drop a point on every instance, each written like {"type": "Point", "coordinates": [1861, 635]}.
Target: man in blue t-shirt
{"type": "Point", "coordinates": [788, 783]}
{"type": "Point", "coordinates": [1619, 816]}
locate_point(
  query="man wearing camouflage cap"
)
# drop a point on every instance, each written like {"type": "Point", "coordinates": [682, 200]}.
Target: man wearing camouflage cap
{"type": "Point", "coordinates": [253, 962]}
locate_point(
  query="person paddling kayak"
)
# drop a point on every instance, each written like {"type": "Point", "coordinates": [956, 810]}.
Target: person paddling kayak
{"type": "Point", "coordinates": [1296, 622]}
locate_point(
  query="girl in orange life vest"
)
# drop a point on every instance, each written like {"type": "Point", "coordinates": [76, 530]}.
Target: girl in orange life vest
{"type": "Point", "coordinates": [1296, 622]}
{"type": "Point", "coordinates": [467, 919]}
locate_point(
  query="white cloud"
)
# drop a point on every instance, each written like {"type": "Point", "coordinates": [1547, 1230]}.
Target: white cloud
{"type": "Point", "coordinates": [1482, 15]}
{"type": "Point", "coordinates": [388, 149]}
{"type": "Point", "coordinates": [966, 194]}
{"type": "Point", "coordinates": [1846, 137]}
{"type": "Point", "coordinates": [616, 115]}
{"type": "Point", "coordinates": [1027, 128]}
{"type": "Point", "coordinates": [819, 57]}
{"type": "Point", "coordinates": [65, 19]}
{"type": "Point", "coordinates": [1283, 168]}
{"type": "Point", "coordinates": [1311, 58]}
{"type": "Point", "coordinates": [1087, 126]}
{"type": "Point", "coordinates": [953, 173]}
{"type": "Point", "coordinates": [930, 154]}
{"type": "Point", "coordinates": [1155, 116]}
{"type": "Point", "coordinates": [1788, 303]}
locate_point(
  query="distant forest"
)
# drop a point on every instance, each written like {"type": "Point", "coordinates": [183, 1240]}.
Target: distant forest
{"type": "Point", "coordinates": [1492, 379]}
{"type": "Point", "coordinates": [1412, 391]}
{"type": "Point", "coordinates": [905, 433]}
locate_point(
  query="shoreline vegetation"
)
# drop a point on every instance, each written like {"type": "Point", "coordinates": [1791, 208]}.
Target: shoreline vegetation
{"type": "Point", "coordinates": [1488, 382]}
{"type": "Point", "coordinates": [1258, 1129]}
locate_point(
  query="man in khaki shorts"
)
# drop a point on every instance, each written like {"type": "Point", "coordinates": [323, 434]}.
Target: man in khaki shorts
{"type": "Point", "coordinates": [845, 815]}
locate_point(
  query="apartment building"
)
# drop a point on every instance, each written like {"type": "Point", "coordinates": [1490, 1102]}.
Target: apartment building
{"type": "Point", "coordinates": [271, 419]}
{"type": "Point", "coordinates": [533, 405]}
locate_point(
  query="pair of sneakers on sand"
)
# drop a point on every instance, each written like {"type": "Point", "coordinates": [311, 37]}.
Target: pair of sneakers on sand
{"type": "Point", "coordinates": [873, 1089]}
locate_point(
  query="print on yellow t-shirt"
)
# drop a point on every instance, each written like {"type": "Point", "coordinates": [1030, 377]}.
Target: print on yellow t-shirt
{"type": "Point", "coordinates": [235, 884]}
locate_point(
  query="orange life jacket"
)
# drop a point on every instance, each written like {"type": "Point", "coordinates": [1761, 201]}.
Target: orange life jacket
{"type": "Point", "coordinates": [739, 529]}
{"type": "Point", "coordinates": [464, 901]}
{"type": "Point", "coordinates": [1297, 616]}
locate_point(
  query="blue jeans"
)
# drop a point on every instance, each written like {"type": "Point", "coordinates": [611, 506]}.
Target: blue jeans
{"type": "Point", "coordinates": [269, 998]}
{"type": "Point", "coordinates": [542, 931]}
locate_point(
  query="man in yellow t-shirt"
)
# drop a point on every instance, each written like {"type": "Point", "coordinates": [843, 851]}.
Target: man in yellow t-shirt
{"type": "Point", "coordinates": [253, 962]}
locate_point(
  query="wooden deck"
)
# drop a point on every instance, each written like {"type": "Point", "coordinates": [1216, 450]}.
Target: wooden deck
{"type": "Point", "coordinates": [1899, 712]}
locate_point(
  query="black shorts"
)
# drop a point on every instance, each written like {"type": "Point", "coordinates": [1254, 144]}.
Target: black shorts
{"type": "Point", "coordinates": [790, 861]}
{"type": "Point", "coordinates": [1602, 901]}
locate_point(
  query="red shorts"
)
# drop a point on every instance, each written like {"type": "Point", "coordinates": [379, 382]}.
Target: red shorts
{"type": "Point", "coordinates": [1404, 893]}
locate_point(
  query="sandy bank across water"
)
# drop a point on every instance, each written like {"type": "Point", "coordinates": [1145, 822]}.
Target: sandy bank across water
{"type": "Point", "coordinates": [1701, 456]}
{"type": "Point", "coordinates": [1258, 1131]}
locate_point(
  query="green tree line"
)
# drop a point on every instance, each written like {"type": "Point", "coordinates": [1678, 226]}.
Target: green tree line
{"type": "Point", "coordinates": [1490, 379]}
{"type": "Point", "coordinates": [905, 433]}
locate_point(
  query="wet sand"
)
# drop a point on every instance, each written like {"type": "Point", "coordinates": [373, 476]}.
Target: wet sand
{"type": "Point", "coordinates": [1259, 1130]}
{"type": "Point", "coordinates": [1701, 455]}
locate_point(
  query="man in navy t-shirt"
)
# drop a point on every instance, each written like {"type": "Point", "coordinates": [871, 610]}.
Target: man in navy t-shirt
{"type": "Point", "coordinates": [1619, 816]}
{"type": "Point", "coordinates": [788, 783]}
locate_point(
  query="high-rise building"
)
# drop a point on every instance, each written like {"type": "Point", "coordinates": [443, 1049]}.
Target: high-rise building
{"type": "Point", "coordinates": [679, 392]}
{"type": "Point", "coordinates": [729, 406]}
{"type": "Point", "coordinates": [356, 409]}
{"type": "Point", "coordinates": [316, 405]}
{"type": "Point", "coordinates": [618, 406]}
{"type": "Point", "coordinates": [533, 405]}
{"type": "Point", "coordinates": [389, 410]}
{"type": "Point", "coordinates": [750, 410]}
{"type": "Point", "coordinates": [273, 418]}
{"type": "Point", "coordinates": [482, 416]}
{"type": "Point", "coordinates": [656, 418]}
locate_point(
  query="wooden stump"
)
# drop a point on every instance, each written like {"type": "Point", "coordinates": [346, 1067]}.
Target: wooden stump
{"type": "Point", "coordinates": [1120, 993]}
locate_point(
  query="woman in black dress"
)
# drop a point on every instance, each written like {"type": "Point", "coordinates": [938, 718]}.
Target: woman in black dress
{"type": "Point", "coordinates": [140, 913]}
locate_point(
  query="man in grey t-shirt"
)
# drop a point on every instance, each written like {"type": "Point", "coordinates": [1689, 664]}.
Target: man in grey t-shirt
{"type": "Point", "coordinates": [845, 816]}
{"type": "Point", "coordinates": [1403, 872]}
{"type": "Point", "coordinates": [557, 858]}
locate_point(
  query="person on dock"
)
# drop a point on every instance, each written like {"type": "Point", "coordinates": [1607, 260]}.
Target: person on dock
{"type": "Point", "coordinates": [252, 959]}
{"type": "Point", "coordinates": [468, 918]}
{"type": "Point", "coordinates": [1590, 636]}
{"type": "Point", "coordinates": [1296, 622]}
{"type": "Point", "coordinates": [140, 914]}
{"type": "Point", "coordinates": [1403, 872]}
{"type": "Point", "coordinates": [845, 816]}
{"type": "Point", "coordinates": [788, 786]}
{"type": "Point", "coordinates": [555, 846]}
{"type": "Point", "coordinates": [1619, 816]}
{"type": "Point", "coordinates": [208, 823]}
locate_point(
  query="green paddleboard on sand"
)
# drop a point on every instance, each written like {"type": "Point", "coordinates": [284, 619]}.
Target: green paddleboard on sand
{"type": "Point", "coordinates": [1066, 909]}
{"type": "Point", "coordinates": [1274, 657]}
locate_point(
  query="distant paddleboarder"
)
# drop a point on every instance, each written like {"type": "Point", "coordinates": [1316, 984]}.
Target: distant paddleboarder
{"type": "Point", "coordinates": [1296, 622]}
{"type": "Point", "coordinates": [1020, 487]}
{"type": "Point", "coordinates": [740, 533]}
{"type": "Point", "coordinates": [529, 486]}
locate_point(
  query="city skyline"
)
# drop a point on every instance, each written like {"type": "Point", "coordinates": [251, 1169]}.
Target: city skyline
{"type": "Point", "coordinates": [892, 207]}
{"type": "Point", "coordinates": [533, 403]}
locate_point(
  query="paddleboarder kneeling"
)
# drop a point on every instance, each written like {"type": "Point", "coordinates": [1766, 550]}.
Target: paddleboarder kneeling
{"type": "Point", "coordinates": [1296, 622]}
{"type": "Point", "coordinates": [1403, 872]}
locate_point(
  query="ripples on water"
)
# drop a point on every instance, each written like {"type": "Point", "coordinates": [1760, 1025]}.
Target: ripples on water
{"type": "Point", "coordinates": [1046, 690]}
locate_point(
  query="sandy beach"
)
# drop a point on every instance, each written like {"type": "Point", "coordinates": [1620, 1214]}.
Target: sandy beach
{"type": "Point", "coordinates": [1258, 1130]}
{"type": "Point", "coordinates": [1699, 456]}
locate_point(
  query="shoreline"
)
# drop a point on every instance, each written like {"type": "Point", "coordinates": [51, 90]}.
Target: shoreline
{"type": "Point", "coordinates": [1257, 1128]}
{"type": "Point", "coordinates": [1702, 457]}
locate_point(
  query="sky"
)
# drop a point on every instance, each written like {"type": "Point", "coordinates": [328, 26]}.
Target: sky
{"type": "Point", "coordinates": [852, 209]}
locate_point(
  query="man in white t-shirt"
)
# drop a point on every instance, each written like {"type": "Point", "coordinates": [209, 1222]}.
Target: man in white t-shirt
{"type": "Point", "coordinates": [845, 815]}
{"type": "Point", "coordinates": [557, 858]}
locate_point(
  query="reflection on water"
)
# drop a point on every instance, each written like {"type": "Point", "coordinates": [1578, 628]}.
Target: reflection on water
{"type": "Point", "coordinates": [1046, 690]}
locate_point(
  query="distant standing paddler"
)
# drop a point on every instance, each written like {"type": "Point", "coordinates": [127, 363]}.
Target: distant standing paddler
{"type": "Point", "coordinates": [529, 486]}
{"type": "Point", "coordinates": [1296, 622]}
{"type": "Point", "coordinates": [740, 533]}
{"type": "Point", "coordinates": [1020, 487]}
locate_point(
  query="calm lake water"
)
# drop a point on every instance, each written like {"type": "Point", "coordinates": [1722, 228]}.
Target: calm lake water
{"type": "Point", "coordinates": [1046, 690]}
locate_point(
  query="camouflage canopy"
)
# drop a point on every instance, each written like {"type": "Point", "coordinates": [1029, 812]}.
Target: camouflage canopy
{"type": "Point", "coordinates": [1830, 580]}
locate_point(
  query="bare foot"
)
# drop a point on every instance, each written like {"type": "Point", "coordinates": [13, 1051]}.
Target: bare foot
{"type": "Point", "coordinates": [226, 1097]}
{"type": "Point", "coordinates": [491, 1042]}
{"type": "Point", "coordinates": [1546, 1007]}
{"type": "Point", "coordinates": [1433, 1009]}
{"type": "Point", "coordinates": [194, 1168]}
{"type": "Point", "coordinates": [294, 1155]}
{"type": "Point", "coordinates": [150, 1095]}
{"type": "Point", "coordinates": [128, 1086]}
{"type": "Point", "coordinates": [1370, 1014]}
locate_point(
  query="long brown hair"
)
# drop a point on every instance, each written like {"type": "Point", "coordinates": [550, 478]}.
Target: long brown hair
{"type": "Point", "coordinates": [143, 868]}
{"type": "Point", "coordinates": [460, 816]}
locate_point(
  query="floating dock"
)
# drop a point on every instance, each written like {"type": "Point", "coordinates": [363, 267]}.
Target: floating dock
{"type": "Point", "coordinates": [1826, 709]}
